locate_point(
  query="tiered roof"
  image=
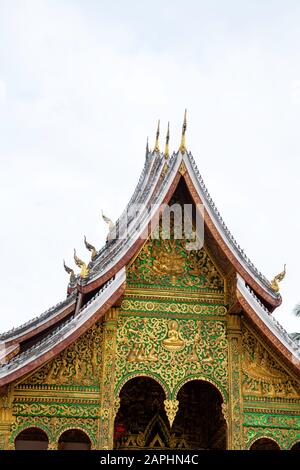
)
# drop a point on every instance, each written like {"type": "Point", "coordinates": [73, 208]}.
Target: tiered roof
{"type": "Point", "coordinates": [32, 344]}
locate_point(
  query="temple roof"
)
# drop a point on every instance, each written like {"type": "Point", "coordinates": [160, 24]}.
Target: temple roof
{"type": "Point", "coordinates": [45, 336]}
{"type": "Point", "coordinates": [151, 188]}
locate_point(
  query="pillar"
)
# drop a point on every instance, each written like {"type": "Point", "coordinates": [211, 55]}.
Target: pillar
{"type": "Point", "coordinates": [107, 399]}
{"type": "Point", "coordinates": [235, 411]}
{"type": "Point", "coordinates": [6, 421]}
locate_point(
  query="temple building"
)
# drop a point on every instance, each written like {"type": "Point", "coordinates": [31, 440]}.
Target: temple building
{"type": "Point", "coordinates": [159, 344]}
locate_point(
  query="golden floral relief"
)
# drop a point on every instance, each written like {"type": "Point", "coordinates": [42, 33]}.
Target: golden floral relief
{"type": "Point", "coordinates": [79, 364]}
{"type": "Point", "coordinates": [262, 375]}
{"type": "Point", "coordinates": [167, 263]}
{"type": "Point", "coordinates": [170, 349]}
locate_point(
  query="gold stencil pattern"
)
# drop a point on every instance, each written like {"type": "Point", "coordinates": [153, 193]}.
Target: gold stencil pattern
{"type": "Point", "coordinates": [171, 350]}
{"type": "Point", "coordinates": [262, 374]}
{"type": "Point", "coordinates": [79, 364]}
{"type": "Point", "coordinates": [172, 307]}
{"type": "Point", "coordinates": [168, 263]}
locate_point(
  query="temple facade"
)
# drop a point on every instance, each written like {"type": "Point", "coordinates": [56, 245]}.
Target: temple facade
{"type": "Point", "coordinates": [157, 345]}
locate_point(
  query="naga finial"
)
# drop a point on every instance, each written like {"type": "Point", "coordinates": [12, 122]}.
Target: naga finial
{"type": "Point", "coordinates": [81, 264]}
{"type": "Point", "coordinates": [156, 146]}
{"type": "Point", "coordinates": [167, 152]}
{"type": "Point", "coordinates": [108, 221]}
{"type": "Point", "coordinates": [277, 279]}
{"type": "Point", "coordinates": [69, 271]}
{"type": "Point", "coordinates": [182, 147]}
{"type": "Point", "coordinates": [91, 248]}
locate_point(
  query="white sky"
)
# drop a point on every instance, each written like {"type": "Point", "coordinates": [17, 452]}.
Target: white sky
{"type": "Point", "coordinates": [82, 83]}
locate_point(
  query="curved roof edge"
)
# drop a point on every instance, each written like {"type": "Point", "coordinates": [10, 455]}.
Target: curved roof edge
{"type": "Point", "coordinates": [40, 323]}
{"type": "Point", "coordinates": [288, 349]}
{"type": "Point", "coordinates": [157, 182]}
{"type": "Point", "coordinates": [114, 254]}
{"type": "Point", "coordinates": [65, 334]}
{"type": "Point", "coordinates": [260, 280]}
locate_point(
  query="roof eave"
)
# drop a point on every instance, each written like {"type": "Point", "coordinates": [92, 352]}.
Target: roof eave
{"type": "Point", "coordinates": [271, 329]}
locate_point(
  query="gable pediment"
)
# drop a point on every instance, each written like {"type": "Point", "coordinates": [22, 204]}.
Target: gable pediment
{"type": "Point", "coordinates": [167, 264]}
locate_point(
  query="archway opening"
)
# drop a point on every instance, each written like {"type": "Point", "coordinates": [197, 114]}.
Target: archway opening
{"type": "Point", "coordinates": [264, 444]}
{"type": "Point", "coordinates": [74, 439]}
{"type": "Point", "coordinates": [296, 446]}
{"type": "Point", "coordinates": [199, 422]}
{"type": "Point", "coordinates": [141, 421]}
{"type": "Point", "coordinates": [31, 439]}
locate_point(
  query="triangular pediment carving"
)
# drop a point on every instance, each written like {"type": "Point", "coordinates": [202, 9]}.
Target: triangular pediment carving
{"type": "Point", "coordinates": [263, 375]}
{"type": "Point", "coordinates": [77, 365]}
{"type": "Point", "coordinates": [169, 264]}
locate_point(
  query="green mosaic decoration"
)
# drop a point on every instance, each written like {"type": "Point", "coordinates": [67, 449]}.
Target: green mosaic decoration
{"type": "Point", "coordinates": [168, 264]}
{"type": "Point", "coordinates": [164, 308]}
{"type": "Point", "coordinates": [263, 375]}
{"type": "Point", "coordinates": [173, 326]}
{"type": "Point", "coordinates": [66, 410]}
{"type": "Point", "coordinates": [272, 421]}
{"type": "Point", "coordinates": [284, 438]}
{"type": "Point", "coordinates": [171, 351]}
{"type": "Point", "coordinates": [79, 364]}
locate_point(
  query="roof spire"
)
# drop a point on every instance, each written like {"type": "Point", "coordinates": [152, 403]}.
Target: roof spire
{"type": "Point", "coordinates": [156, 147]}
{"type": "Point", "coordinates": [167, 153]}
{"type": "Point", "coordinates": [182, 147]}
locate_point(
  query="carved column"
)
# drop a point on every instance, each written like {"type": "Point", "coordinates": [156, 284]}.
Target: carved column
{"type": "Point", "coordinates": [6, 420]}
{"type": "Point", "coordinates": [107, 400]}
{"type": "Point", "coordinates": [235, 429]}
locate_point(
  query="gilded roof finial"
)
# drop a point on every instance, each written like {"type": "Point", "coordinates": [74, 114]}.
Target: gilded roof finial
{"type": "Point", "coordinates": [69, 271]}
{"type": "Point", "coordinates": [81, 264]}
{"type": "Point", "coordinates": [167, 153]}
{"type": "Point", "coordinates": [91, 248]}
{"type": "Point", "coordinates": [156, 146]}
{"type": "Point", "coordinates": [182, 147]}
{"type": "Point", "coordinates": [278, 278]}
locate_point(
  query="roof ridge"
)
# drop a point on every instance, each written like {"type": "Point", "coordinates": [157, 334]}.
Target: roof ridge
{"type": "Point", "coordinates": [281, 330]}
{"type": "Point", "coordinates": [55, 332]}
{"type": "Point", "coordinates": [24, 326]}
{"type": "Point", "coordinates": [231, 238]}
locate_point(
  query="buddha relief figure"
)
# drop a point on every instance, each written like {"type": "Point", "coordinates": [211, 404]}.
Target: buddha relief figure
{"type": "Point", "coordinates": [132, 356]}
{"type": "Point", "coordinates": [167, 259]}
{"type": "Point", "coordinates": [173, 342]}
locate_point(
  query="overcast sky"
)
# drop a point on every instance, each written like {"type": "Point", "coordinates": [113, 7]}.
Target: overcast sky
{"type": "Point", "coordinates": [82, 84]}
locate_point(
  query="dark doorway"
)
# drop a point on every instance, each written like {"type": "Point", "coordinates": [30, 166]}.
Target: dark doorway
{"type": "Point", "coordinates": [296, 446]}
{"type": "Point", "coordinates": [74, 439]}
{"type": "Point", "coordinates": [141, 421]}
{"type": "Point", "coordinates": [264, 444]}
{"type": "Point", "coordinates": [199, 423]}
{"type": "Point", "coordinates": [31, 439]}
